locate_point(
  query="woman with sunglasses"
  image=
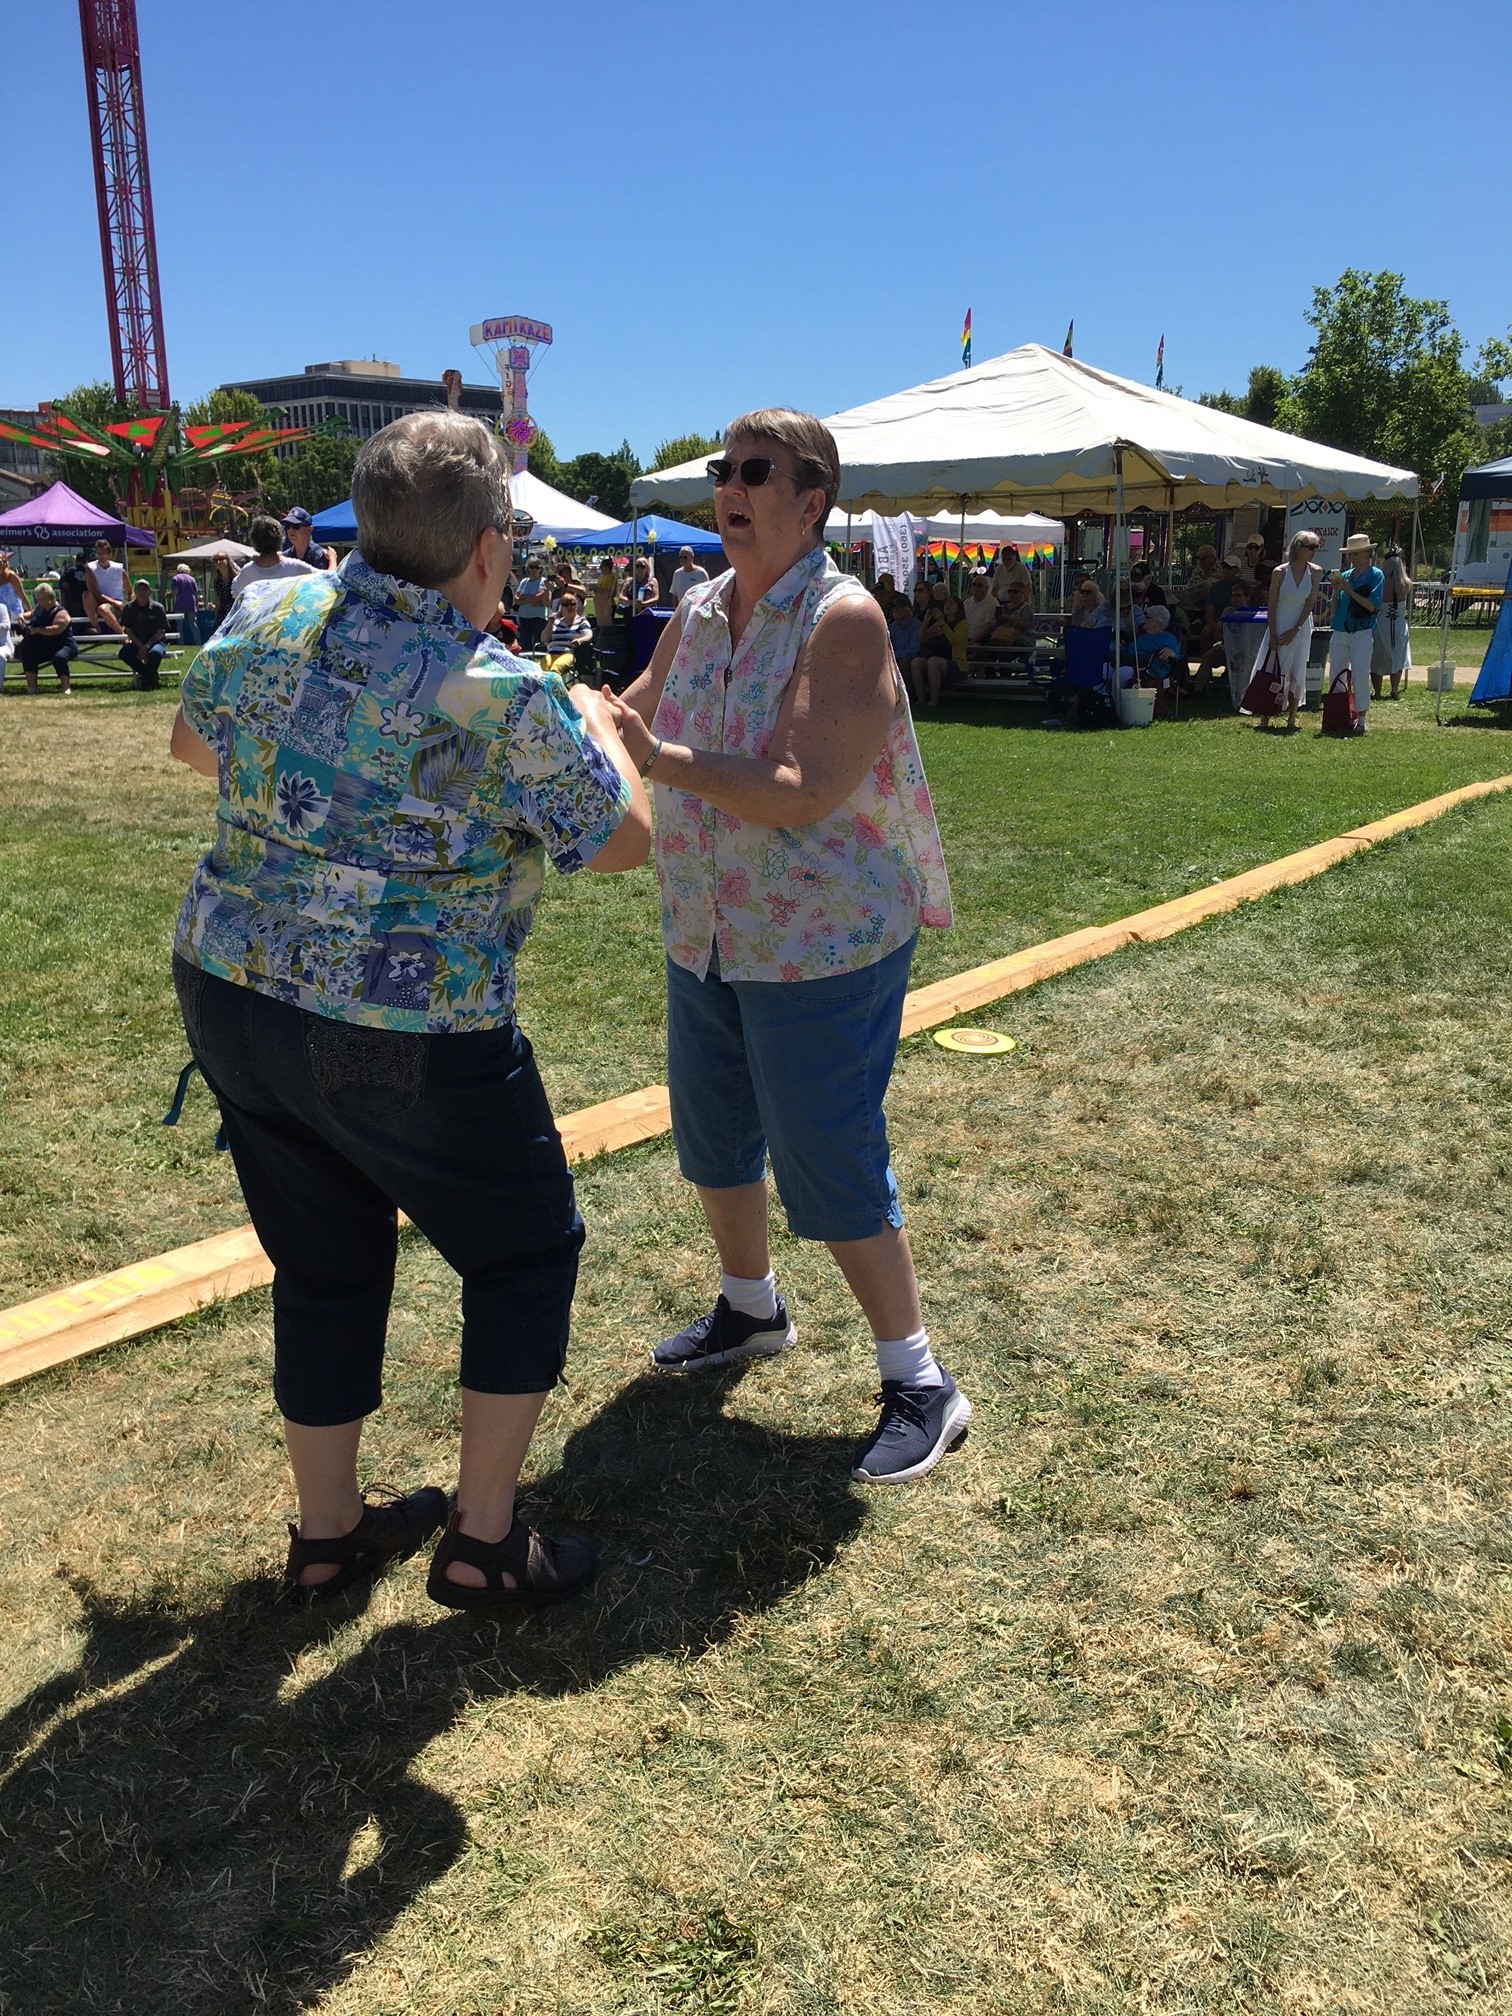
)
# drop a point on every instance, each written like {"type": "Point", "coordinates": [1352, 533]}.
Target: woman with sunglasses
{"type": "Point", "coordinates": [798, 857]}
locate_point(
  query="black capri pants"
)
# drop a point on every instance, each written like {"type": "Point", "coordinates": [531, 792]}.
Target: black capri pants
{"type": "Point", "coordinates": [334, 1128]}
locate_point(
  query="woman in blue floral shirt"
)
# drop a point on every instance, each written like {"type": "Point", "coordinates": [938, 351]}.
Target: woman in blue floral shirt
{"type": "Point", "coordinates": [392, 782]}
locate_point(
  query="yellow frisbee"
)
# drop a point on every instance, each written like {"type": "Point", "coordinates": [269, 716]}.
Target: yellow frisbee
{"type": "Point", "coordinates": [977, 1042]}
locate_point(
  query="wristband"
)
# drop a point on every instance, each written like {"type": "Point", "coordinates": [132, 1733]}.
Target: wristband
{"type": "Point", "coordinates": [657, 746]}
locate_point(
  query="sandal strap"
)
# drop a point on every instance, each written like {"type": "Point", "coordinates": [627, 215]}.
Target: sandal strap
{"type": "Point", "coordinates": [379, 1534]}
{"type": "Point", "coordinates": [524, 1553]}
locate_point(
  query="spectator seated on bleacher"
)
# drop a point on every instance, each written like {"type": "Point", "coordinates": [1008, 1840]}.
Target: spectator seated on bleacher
{"type": "Point", "coordinates": [145, 622]}
{"type": "Point", "coordinates": [941, 657]}
{"type": "Point", "coordinates": [1090, 608]}
{"type": "Point", "coordinates": [75, 589]}
{"type": "Point", "coordinates": [568, 642]}
{"type": "Point", "coordinates": [1015, 625]}
{"type": "Point", "coordinates": [903, 629]}
{"type": "Point", "coordinates": [107, 589]}
{"type": "Point", "coordinates": [981, 608]}
{"type": "Point", "coordinates": [47, 641]}
{"type": "Point", "coordinates": [1203, 577]}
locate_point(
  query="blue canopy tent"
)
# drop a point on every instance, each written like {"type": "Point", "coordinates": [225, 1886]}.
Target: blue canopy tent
{"type": "Point", "coordinates": [1495, 682]}
{"type": "Point", "coordinates": [337, 521]}
{"type": "Point", "coordinates": [652, 530]}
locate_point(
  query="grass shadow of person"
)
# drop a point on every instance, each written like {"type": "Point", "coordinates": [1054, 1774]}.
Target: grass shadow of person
{"type": "Point", "coordinates": [186, 1824]}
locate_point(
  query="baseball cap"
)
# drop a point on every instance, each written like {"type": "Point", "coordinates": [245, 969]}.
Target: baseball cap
{"type": "Point", "coordinates": [1229, 560]}
{"type": "Point", "coordinates": [298, 516]}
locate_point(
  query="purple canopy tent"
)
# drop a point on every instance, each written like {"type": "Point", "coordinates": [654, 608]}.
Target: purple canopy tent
{"type": "Point", "coordinates": [61, 517]}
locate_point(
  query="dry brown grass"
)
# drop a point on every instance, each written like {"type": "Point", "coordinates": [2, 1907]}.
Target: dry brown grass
{"type": "Point", "coordinates": [1183, 1688]}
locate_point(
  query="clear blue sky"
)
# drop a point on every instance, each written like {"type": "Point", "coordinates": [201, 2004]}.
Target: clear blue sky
{"type": "Point", "coordinates": [719, 206]}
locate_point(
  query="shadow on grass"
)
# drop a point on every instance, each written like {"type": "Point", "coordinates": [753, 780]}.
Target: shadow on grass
{"type": "Point", "coordinates": [179, 1830]}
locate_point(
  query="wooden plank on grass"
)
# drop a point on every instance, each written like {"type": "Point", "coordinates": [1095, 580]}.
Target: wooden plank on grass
{"type": "Point", "coordinates": [73, 1321]}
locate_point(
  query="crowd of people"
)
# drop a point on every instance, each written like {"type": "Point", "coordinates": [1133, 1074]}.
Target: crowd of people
{"type": "Point", "coordinates": [1171, 638]}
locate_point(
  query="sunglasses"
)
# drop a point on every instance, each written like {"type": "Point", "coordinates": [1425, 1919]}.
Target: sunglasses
{"type": "Point", "coordinates": [753, 471]}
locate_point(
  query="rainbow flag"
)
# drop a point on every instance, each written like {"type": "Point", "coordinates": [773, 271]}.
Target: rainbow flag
{"type": "Point", "coordinates": [966, 341]}
{"type": "Point", "coordinates": [1160, 364]}
{"type": "Point", "coordinates": [1066, 346]}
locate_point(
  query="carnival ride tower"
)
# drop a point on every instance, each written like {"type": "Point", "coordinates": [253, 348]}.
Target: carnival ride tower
{"type": "Point", "coordinates": [510, 343]}
{"type": "Point", "coordinates": [123, 193]}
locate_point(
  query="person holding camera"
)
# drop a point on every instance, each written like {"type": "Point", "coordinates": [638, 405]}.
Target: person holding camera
{"type": "Point", "coordinates": [1360, 586]}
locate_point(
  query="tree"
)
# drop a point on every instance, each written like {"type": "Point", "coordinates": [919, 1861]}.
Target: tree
{"type": "Point", "coordinates": [687, 448]}
{"type": "Point", "coordinates": [319, 473]}
{"type": "Point", "coordinates": [1384, 378]}
{"type": "Point", "coordinates": [236, 472]}
{"type": "Point", "coordinates": [1262, 402]}
{"type": "Point", "coordinates": [93, 478]}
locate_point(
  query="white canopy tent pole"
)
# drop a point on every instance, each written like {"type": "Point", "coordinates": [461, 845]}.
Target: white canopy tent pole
{"type": "Point", "coordinates": [1118, 538]}
{"type": "Point", "coordinates": [847, 539]}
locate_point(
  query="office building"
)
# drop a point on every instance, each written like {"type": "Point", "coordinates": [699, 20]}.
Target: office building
{"type": "Point", "coordinates": [365, 392]}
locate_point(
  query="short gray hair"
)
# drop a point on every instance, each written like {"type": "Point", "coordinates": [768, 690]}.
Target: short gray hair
{"type": "Point", "coordinates": [424, 489]}
{"type": "Point", "coordinates": [816, 459]}
{"type": "Point", "coordinates": [1309, 540]}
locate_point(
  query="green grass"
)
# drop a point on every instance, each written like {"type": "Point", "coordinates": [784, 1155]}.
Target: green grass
{"type": "Point", "coordinates": [1043, 833]}
{"type": "Point", "coordinates": [1183, 1688]}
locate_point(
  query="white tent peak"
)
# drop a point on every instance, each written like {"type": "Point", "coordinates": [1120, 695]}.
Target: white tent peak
{"type": "Point", "coordinates": [1035, 430]}
{"type": "Point", "coordinates": [553, 510]}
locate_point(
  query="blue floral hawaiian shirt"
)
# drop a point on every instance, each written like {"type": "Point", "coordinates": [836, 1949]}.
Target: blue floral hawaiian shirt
{"type": "Point", "coordinates": [391, 782]}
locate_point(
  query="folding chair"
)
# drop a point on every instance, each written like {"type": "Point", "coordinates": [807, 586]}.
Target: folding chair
{"type": "Point", "coordinates": [1081, 677]}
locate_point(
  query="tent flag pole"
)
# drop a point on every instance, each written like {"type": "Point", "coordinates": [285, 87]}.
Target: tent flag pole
{"type": "Point", "coordinates": [848, 562]}
{"type": "Point", "coordinates": [1065, 538]}
{"type": "Point", "coordinates": [1412, 570]}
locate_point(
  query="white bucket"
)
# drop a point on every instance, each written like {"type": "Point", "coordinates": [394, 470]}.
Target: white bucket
{"type": "Point", "coordinates": [1441, 678]}
{"type": "Point", "coordinates": [1136, 706]}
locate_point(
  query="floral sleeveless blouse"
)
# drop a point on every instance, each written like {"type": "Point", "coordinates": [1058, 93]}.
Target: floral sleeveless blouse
{"type": "Point", "coordinates": [786, 903]}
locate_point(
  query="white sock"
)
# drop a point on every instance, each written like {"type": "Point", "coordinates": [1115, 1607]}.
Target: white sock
{"type": "Point", "coordinates": [908, 1359]}
{"type": "Point", "coordinates": [756, 1298]}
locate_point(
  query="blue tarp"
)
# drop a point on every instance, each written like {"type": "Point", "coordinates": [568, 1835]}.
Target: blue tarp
{"type": "Point", "coordinates": [1495, 681]}
{"type": "Point", "coordinates": [338, 521]}
{"type": "Point", "coordinates": [670, 535]}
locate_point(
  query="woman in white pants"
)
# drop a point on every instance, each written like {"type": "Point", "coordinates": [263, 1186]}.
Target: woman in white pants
{"type": "Point", "coordinates": [1290, 620]}
{"type": "Point", "coordinates": [1360, 586]}
{"type": "Point", "coordinates": [1392, 653]}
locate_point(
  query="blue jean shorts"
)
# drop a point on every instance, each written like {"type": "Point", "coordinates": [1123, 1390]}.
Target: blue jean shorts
{"type": "Point", "coordinates": [798, 1068]}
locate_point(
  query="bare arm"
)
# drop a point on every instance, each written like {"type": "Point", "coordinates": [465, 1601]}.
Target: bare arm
{"type": "Point", "coordinates": [630, 842]}
{"type": "Point", "coordinates": [830, 730]}
{"type": "Point", "coordinates": [190, 747]}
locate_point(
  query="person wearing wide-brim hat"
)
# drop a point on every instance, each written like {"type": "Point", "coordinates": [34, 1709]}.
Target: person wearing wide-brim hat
{"type": "Point", "coordinates": [1356, 606]}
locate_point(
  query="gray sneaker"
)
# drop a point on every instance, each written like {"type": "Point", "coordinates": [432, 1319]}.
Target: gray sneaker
{"type": "Point", "coordinates": [918, 1425]}
{"type": "Point", "coordinates": [723, 1337]}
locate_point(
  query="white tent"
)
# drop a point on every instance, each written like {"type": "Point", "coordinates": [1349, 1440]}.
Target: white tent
{"type": "Point", "coordinates": [554, 512]}
{"type": "Point", "coordinates": [983, 528]}
{"type": "Point", "coordinates": [1033, 430]}
{"type": "Point", "coordinates": [213, 548]}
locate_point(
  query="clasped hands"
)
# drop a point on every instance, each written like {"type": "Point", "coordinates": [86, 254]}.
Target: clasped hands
{"type": "Point", "coordinates": [603, 710]}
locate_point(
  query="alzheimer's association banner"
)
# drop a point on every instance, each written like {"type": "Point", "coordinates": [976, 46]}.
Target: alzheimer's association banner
{"type": "Point", "coordinates": [894, 541]}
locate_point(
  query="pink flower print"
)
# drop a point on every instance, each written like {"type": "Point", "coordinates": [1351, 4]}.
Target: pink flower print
{"type": "Point", "coordinates": [736, 734]}
{"type": "Point", "coordinates": [882, 770]}
{"type": "Point", "coordinates": [791, 972]}
{"type": "Point", "coordinates": [783, 908]}
{"type": "Point", "coordinates": [703, 722]}
{"type": "Point", "coordinates": [674, 843]}
{"type": "Point", "coordinates": [867, 831]}
{"type": "Point", "coordinates": [922, 803]}
{"type": "Point", "coordinates": [669, 718]}
{"type": "Point", "coordinates": [692, 808]}
{"type": "Point", "coordinates": [734, 889]}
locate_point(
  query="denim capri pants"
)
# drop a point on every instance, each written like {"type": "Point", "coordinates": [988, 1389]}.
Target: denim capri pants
{"type": "Point", "coordinates": [798, 1068]}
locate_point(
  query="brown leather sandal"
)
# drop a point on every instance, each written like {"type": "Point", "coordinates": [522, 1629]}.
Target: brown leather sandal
{"type": "Point", "coordinates": [544, 1570]}
{"type": "Point", "coordinates": [385, 1533]}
